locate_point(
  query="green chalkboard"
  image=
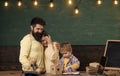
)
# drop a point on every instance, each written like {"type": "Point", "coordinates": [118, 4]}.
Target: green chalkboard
{"type": "Point", "coordinates": [93, 26]}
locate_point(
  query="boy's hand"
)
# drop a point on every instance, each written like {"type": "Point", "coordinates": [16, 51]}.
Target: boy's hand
{"type": "Point", "coordinates": [67, 69]}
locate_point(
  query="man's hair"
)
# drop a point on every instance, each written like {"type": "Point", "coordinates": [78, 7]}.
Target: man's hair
{"type": "Point", "coordinates": [37, 20]}
{"type": "Point", "coordinates": [66, 46]}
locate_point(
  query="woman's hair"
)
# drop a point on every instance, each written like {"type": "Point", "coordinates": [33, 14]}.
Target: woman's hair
{"type": "Point", "coordinates": [45, 33]}
{"type": "Point", "coordinates": [65, 47]}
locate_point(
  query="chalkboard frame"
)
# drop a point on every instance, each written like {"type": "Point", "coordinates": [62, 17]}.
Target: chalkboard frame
{"type": "Point", "coordinates": [105, 52]}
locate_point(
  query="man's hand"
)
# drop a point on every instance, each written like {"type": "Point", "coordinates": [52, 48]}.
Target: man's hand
{"type": "Point", "coordinates": [32, 61]}
{"type": "Point", "coordinates": [39, 70]}
{"type": "Point", "coordinates": [28, 68]}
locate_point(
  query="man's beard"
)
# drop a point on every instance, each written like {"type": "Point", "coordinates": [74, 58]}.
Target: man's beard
{"type": "Point", "coordinates": [37, 36]}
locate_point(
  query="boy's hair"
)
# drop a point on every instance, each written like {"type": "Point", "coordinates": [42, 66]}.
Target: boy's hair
{"type": "Point", "coordinates": [65, 47]}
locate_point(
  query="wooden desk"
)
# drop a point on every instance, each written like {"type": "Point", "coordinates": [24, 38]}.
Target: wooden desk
{"type": "Point", "coordinates": [10, 73]}
{"type": "Point", "coordinates": [19, 73]}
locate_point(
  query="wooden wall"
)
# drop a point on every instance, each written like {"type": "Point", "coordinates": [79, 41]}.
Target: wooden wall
{"type": "Point", "coordinates": [9, 56]}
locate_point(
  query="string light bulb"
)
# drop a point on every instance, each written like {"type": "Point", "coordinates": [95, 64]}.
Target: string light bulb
{"type": "Point", "coordinates": [70, 2]}
{"type": "Point", "coordinates": [76, 11]}
{"type": "Point", "coordinates": [19, 3]}
{"type": "Point", "coordinates": [6, 3]}
{"type": "Point", "coordinates": [35, 2]}
{"type": "Point", "coordinates": [99, 2]}
{"type": "Point", "coordinates": [51, 4]}
{"type": "Point", "coordinates": [116, 2]}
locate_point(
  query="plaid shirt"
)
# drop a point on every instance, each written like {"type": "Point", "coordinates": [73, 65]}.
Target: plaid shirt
{"type": "Point", "coordinates": [73, 60]}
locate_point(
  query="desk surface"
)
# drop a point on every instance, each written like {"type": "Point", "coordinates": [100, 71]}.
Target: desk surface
{"type": "Point", "coordinates": [19, 73]}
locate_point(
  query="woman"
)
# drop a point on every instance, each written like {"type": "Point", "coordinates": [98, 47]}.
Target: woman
{"type": "Point", "coordinates": [51, 51]}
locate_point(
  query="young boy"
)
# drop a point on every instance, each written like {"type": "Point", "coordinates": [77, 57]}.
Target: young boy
{"type": "Point", "coordinates": [69, 61]}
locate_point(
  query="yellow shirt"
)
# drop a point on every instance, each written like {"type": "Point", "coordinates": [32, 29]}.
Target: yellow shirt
{"type": "Point", "coordinates": [30, 48]}
{"type": "Point", "coordinates": [51, 57]}
{"type": "Point", "coordinates": [66, 60]}
{"type": "Point", "coordinates": [73, 66]}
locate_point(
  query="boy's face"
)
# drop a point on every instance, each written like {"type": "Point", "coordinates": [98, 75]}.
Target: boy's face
{"type": "Point", "coordinates": [67, 54]}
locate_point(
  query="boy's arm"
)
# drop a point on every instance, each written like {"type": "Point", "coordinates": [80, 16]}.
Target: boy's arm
{"type": "Point", "coordinates": [74, 66]}
{"type": "Point", "coordinates": [76, 63]}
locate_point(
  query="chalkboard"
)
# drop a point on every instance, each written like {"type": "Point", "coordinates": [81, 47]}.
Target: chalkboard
{"type": "Point", "coordinates": [112, 53]}
{"type": "Point", "coordinates": [92, 26]}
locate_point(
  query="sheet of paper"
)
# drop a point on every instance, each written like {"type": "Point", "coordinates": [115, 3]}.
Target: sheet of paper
{"type": "Point", "coordinates": [72, 72]}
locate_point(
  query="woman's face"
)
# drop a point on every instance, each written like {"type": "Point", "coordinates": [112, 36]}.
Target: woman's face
{"type": "Point", "coordinates": [44, 41]}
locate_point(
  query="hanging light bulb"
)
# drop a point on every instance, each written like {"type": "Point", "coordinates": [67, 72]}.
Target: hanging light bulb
{"type": "Point", "coordinates": [51, 3]}
{"type": "Point", "coordinates": [69, 2]}
{"type": "Point", "coordinates": [35, 2]}
{"type": "Point", "coordinates": [76, 11]}
{"type": "Point", "coordinates": [116, 2]}
{"type": "Point", "coordinates": [6, 3]}
{"type": "Point", "coordinates": [99, 2]}
{"type": "Point", "coordinates": [19, 3]}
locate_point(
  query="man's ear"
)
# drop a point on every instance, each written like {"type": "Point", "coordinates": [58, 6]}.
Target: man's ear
{"type": "Point", "coordinates": [31, 27]}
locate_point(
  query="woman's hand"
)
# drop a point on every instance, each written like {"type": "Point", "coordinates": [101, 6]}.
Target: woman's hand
{"type": "Point", "coordinates": [48, 39]}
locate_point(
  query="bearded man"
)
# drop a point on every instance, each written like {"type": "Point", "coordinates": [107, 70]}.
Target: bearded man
{"type": "Point", "coordinates": [31, 49]}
